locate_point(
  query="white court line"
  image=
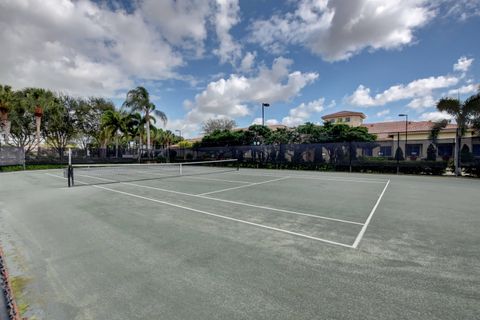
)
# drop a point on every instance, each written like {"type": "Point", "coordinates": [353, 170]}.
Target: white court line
{"type": "Point", "coordinates": [171, 176]}
{"type": "Point", "coordinates": [364, 228]}
{"type": "Point", "coordinates": [227, 201]}
{"type": "Point", "coordinates": [339, 179]}
{"type": "Point", "coordinates": [186, 176]}
{"type": "Point", "coordinates": [212, 179]}
{"type": "Point", "coordinates": [244, 186]}
{"type": "Point", "coordinates": [54, 175]}
{"type": "Point", "coordinates": [243, 204]}
{"type": "Point", "coordinates": [220, 216]}
{"type": "Point", "coordinates": [227, 218]}
{"type": "Point", "coordinates": [87, 176]}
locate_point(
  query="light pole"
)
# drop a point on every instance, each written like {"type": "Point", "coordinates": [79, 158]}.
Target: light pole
{"type": "Point", "coordinates": [406, 131]}
{"type": "Point", "coordinates": [183, 150]}
{"type": "Point", "coordinates": [263, 112]}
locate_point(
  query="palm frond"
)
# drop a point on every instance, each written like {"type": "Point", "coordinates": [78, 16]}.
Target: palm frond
{"type": "Point", "coordinates": [450, 106]}
{"type": "Point", "coordinates": [161, 115]}
{"type": "Point", "coordinates": [471, 106]}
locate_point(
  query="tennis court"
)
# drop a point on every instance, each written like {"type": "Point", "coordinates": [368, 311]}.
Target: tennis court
{"type": "Point", "coordinates": [214, 242]}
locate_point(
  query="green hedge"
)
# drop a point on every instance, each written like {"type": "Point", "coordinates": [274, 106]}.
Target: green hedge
{"type": "Point", "coordinates": [31, 167]}
{"type": "Point", "coordinates": [367, 166]}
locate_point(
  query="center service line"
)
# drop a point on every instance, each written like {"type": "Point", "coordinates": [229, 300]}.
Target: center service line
{"type": "Point", "coordinates": [364, 228]}
{"type": "Point", "coordinates": [245, 186]}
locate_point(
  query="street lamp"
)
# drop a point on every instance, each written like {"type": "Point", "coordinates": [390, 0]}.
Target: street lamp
{"type": "Point", "coordinates": [406, 130]}
{"type": "Point", "coordinates": [179, 132]}
{"type": "Point", "coordinates": [263, 112]}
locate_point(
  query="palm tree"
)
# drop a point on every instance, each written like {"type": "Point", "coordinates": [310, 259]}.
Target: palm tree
{"type": "Point", "coordinates": [114, 122]}
{"type": "Point", "coordinates": [138, 100]}
{"type": "Point", "coordinates": [6, 101]}
{"type": "Point", "coordinates": [433, 137]}
{"type": "Point", "coordinates": [465, 115]}
{"type": "Point", "coordinates": [135, 129]}
{"type": "Point", "coordinates": [39, 100]}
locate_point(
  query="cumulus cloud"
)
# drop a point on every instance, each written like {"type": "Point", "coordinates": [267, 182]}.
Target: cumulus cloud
{"type": "Point", "coordinates": [415, 89]}
{"type": "Point", "coordinates": [269, 122]}
{"type": "Point", "coordinates": [383, 113]}
{"type": "Point", "coordinates": [422, 103]}
{"type": "Point", "coordinates": [435, 116]}
{"type": "Point", "coordinates": [337, 30]}
{"type": "Point", "coordinates": [470, 88]}
{"type": "Point", "coordinates": [248, 62]}
{"type": "Point", "coordinates": [182, 23]}
{"type": "Point", "coordinates": [231, 97]}
{"type": "Point", "coordinates": [79, 47]}
{"type": "Point", "coordinates": [227, 16]}
{"type": "Point", "coordinates": [459, 9]}
{"type": "Point", "coordinates": [303, 113]}
{"type": "Point", "coordinates": [463, 64]}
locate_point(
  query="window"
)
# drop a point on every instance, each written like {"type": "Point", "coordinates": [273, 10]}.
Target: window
{"type": "Point", "coordinates": [385, 151]}
{"type": "Point", "coordinates": [476, 150]}
{"type": "Point", "coordinates": [368, 151]}
{"type": "Point", "coordinates": [414, 150]}
{"type": "Point", "coordinates": [445, 149]}
{"type": "Point", "coordinates": [347, 119]}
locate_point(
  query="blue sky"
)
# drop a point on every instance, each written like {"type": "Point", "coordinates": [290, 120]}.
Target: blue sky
{"type": "Point", "coordinates": [204, 59]}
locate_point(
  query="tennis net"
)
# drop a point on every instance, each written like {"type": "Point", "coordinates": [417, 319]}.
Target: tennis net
{"type": "Point", "coordinates": [94, 174]}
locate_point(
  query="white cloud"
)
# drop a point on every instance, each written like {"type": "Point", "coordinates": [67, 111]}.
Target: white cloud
{"type": "Point", "coordinates": [383, 113]}
{"type": "Point", "coordinates": [248, 62]}
{"type": "Point", "coordinates": [181, 22]}
{"type": "Point", "coordinates": [463, 64]}
{"type": "Point", "coordinates": [231, 97]}
{"type": "Point", "coordinates": [470, 88]}
{"type": "Point", "coordinates": [226, 17]}
{"type": "Point", "coordinates": [435, 116]}
{"type": "Point", "coordinates": [337, 30]}
{"type": "Point", "coordinates": [79, 47]}
{"type": "Point", "coordinates": [415, 89]}
{"type": "Point", "coordinates": [269, 122]}
{"type": "Point", "coordinates": [459, 9]}
{"type": "Point", "coordinates": [303, 113]}
{"type": "Point", "coordinates": [422, 103]}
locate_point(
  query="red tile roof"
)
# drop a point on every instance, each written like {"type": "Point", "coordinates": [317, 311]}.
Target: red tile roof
{"type": "Point", "coordinates": [344, 114]}
{"type": "Point", "coordinates": [399, 126]}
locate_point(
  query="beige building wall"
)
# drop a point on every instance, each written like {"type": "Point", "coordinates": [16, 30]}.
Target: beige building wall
{"type": "Point", "coordinates": [353, 121]}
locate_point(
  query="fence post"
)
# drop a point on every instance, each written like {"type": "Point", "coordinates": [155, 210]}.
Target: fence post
{"type": "Point", "coordinates": [350, 155]}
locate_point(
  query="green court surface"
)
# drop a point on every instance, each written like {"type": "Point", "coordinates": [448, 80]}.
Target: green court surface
{"type": "Point", "coordinates": [247, 244]}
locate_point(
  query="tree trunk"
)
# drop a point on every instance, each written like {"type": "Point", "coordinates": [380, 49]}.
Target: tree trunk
{"type": "Point", "coordinates": [116, 146]}
{"type": "Point", "coordinates": [458, 169]}
{"type": "Point", "coordinates": [147, 116]}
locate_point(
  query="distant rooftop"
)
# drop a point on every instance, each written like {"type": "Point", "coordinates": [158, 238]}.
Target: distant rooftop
{"type": "Point", "coordinates": [399, 126]}
{"type": "Point", "coordinates": [344, 114]}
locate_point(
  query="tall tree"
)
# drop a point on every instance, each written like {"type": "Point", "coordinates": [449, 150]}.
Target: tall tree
{"type": "Point", "coordinates": [218, 124]}
{"type": "Point", "coordinates": [138, 100]}
{"type": "Point", "coordinates": [89, 114]}
{"type": "Point", "coordinates": [60, 123]}
{"type": "Point", "coordinates": [7, 98]}
{"type": "Point", "coordinates": [114, 122]}
{"type": "Point", "coordinates": [465, 114]}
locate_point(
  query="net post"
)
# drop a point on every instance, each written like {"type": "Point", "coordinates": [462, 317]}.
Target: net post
{"type": "Point", "coordinates": [238, 165]}
{"type": "Point", "coordinates": [70, 168]}
{"type": "Point", "coordinates": [181, 169]}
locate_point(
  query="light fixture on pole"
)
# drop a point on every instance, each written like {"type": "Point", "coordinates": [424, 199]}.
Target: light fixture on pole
{"type": "Point", "coordinates": [263, 112]}
{"type": "Point", "coordinates": [406, 130]}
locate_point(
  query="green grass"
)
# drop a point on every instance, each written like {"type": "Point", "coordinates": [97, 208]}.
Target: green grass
{"type": "Point", "coordinates": [18, 287]}
{"type": "Point", "coordinates": [31, 167]}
